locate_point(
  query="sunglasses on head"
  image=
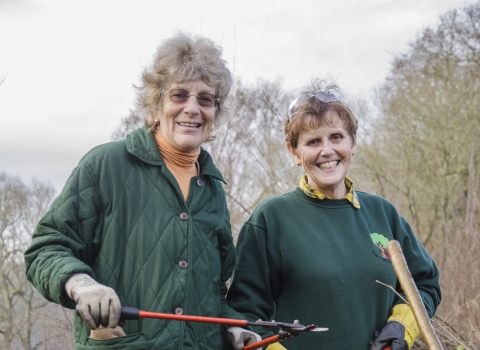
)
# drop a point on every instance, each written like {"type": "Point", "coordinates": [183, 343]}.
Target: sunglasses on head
{"type": "Point", "coordinates": [204, 99]}
{"type": "Point", "coordinates": [325, 95]}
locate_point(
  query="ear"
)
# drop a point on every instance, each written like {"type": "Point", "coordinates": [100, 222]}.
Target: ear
{"type": "Point", "coordinates": [293, 153]}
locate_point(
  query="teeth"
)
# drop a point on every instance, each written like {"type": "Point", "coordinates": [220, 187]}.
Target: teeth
{"type": "Point", "coordinates": [328, 165]}
{"type": "Point", "coordinates": [194, 125]}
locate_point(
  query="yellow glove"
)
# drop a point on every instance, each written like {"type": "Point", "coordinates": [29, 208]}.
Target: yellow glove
{"type": "Point", "coordinates": [276, 346]}
{"type": "Point", "coordinates": [402, 313]}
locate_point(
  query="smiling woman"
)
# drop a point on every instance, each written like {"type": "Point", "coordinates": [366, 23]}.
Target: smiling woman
{"type": "Point", "coordinates": [186, 117]}
{"type": "Point", "coordinates": [143, 221]}
{"type": "Point", "coordinates": [315, 253]}
{"type": "Point", "coordinates": [325, 153]}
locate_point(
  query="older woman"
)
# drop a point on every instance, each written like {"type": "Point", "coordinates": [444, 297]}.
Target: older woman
{"type": "Point", "coordinates": [143, 222]}
{"type": "Point", "coordinates": [315, 253]}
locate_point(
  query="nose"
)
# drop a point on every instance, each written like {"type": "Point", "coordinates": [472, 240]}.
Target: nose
{"type": "Point", "coordinates": [326, 148]}
{"type": "Point", "coordinates": [191, 106]}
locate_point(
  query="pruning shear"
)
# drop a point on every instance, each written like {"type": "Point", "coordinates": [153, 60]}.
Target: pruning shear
{"type": "Point", "coordinates": [287, 330]}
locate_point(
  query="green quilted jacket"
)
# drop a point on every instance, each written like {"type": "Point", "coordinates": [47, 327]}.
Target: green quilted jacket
{"type": "Point", "coordinates": [122, 219]}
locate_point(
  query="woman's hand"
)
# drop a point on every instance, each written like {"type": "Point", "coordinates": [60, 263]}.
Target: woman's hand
{"type": "Point", "coordinates": [97, 304]}
{"type": "Point", "coordinates": [400, 331]}
{"type": "Point", "coordinates": [391, 335]}
{"type": "Point", "coordinates": [239, 337]}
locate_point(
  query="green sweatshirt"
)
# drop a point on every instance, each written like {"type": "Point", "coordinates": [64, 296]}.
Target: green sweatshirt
{"type": "Point", "coordinates": [317, 261]}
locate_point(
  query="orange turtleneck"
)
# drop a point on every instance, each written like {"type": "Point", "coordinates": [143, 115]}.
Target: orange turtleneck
{"type": "Point", "coordinates": [182, 165]}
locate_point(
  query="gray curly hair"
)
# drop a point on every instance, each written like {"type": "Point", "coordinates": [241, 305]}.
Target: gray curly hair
{"type": "Point", "coordinates": [180, 59]}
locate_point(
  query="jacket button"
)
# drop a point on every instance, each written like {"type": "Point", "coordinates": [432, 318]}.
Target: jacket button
{"type": "Point", "coordinates": [179, 311]}
{"type": "Point", "coordinates": [184, 216]}
{"type": "Point", "coordinates": [183, 264]}
{"type": "Point", "coordinates": [200, 182]}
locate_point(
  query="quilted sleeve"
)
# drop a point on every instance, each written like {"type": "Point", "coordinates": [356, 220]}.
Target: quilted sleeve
{"type": "Point", "coordinates": [64, 240]}
{"type": "Point", "coordinates": [422, 267]}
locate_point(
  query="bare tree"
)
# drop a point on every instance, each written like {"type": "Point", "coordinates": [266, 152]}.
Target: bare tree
{"type": "Point", "coordinates": [129, 123]}
{"type": "Point", "coordinates": [250, 148]}
{"type": "Point", "coordinates": [422, 153]}
{"type": "Point", "coordinates": [24, 313]}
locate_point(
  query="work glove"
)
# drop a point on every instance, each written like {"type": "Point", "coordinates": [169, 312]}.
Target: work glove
{"type": "Point", "coordinates": [276, 346]}
{"type": "Point", "coordinates": [400, 331]}
{"type": "Point", "coordinates": [102, 333]}
{"type": "Point", "coordinates": [239, 337]}
{"type": "Point", "coordinates": [97, 304]}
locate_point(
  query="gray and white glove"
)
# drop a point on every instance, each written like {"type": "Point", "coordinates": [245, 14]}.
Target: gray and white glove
{"type": "Point", "coordinates": [239, 337]}
{"type": "Point", "coordinates": [97, 304]}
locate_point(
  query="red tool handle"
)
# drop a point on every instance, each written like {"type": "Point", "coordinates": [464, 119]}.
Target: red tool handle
{"type": "Point", "coordinates": [225, 321]}
{"type": "Point", "coordinates": [131, 313]}
{"type": "Point", "coordinates": [263, 343]}
{"type": "Point", "coordinates": [274, 339]}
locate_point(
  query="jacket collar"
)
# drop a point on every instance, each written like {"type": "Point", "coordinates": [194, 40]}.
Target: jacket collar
{"type": "Point", "coordinates": [142, 145]}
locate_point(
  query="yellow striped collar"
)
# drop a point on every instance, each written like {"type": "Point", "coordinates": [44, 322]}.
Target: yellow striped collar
{"type": "Point", "coordinates": [351, 196]}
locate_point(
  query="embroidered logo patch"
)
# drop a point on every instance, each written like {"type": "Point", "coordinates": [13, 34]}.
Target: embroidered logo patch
{"type": "Point", "coordinates": [381, 242]}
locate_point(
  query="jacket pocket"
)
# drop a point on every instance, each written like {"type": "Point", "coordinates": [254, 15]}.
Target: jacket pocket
{"type": "Point", "coordinates": [204, 346]}
{"type": "Point", "coordinates": [138, 341]}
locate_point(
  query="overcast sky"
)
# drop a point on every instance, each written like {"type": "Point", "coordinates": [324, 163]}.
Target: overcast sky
{"type": "Point", "coordinates": [69, 66]}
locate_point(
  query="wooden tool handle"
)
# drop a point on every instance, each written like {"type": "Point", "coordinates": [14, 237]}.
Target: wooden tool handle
{"type": "Point", "coordinates": [413, 296]}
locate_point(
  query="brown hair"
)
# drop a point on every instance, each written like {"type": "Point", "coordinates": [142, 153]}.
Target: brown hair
{"type": "Point", "coordinates": [313, 113]}
{"type": "Point", "coordinates": [179, 59]}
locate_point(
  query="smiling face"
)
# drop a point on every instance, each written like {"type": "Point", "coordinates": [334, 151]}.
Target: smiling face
{"type": "Point", "coordinates": [325, 153]}
{"type": "Point", "coordinates": [187, 125]}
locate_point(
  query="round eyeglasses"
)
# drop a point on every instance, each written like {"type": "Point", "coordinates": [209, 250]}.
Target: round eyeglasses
{"type": "Point", "coordinates": [204, 99]}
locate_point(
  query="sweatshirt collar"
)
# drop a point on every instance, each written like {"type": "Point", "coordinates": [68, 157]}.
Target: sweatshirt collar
{"type": "Point", "coordinates": [351, 196]}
